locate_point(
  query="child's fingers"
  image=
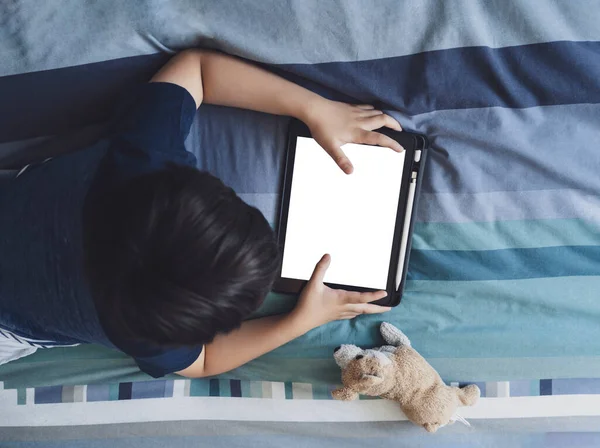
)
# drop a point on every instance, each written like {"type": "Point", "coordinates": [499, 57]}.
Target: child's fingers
{"type": "Point", "coordinates": [341, 159]}
{"type": "Point", "coordinates": [380, 121]}
{"type": "Point", "coordinates": [366, 308]}
{"type": "Point", "coordinates": [364, 297]}
{"type": "Point", "coordinates": [365, 106]}
{"type": "Point", "coordinates": [392, 123]}
{"type": "Point", "coordinates": [370, 113]}
{"type": "Point", "coordinates": [378, 139]}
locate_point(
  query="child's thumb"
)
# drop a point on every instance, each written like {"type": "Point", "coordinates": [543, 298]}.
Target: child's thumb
{"type": "Point", "coordinates": [320, 269]}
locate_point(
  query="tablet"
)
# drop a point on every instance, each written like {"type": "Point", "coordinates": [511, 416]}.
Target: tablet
{"type": "Point", "coordinates": [357, 219]}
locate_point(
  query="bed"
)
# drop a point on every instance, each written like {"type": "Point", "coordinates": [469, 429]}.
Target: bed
{"type": "Point", "coordinates": [505, 269]}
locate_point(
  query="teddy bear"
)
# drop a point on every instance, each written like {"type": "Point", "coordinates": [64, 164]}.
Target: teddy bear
{"type": "Point", "coordinates": [397, 372]}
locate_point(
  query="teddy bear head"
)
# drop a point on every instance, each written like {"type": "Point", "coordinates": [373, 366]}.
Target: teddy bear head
{"type": "Point", "coordinates": [366, 372]}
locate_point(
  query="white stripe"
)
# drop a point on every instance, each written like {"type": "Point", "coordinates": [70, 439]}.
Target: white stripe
{"type": "Point", "coordinates": [26, 167]}
{"type": "Point", "coordinates": [251, 409]}
{"type": "Point", "coordinates": [22, 170]}
{"type": "Point", "coordinates": [302, 391]}
{"type": "Point", "coordinates": [278, 391]}
{"type": "Point", "coordinates": [8, 398]}
{"type": "Point", "coordinates": [80, 394]}
{"type": "Point", "coordinates": [267, 389]}
{"type": "Point", "coordinates": [256, 389]}
{"type": "Point", "coordinates": [179, 388]}
{"type": "Point", "coordinates": [497, 389]}
{"type": "Point", "coordinates": [29, 396]}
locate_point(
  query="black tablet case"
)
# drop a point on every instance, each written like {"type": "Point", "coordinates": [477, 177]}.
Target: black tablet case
{"type": "Point", "coordinates": [411, 142]}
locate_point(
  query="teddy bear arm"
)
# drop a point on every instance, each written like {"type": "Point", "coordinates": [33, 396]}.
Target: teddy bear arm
{"type": "Point", "coordinates": [344, 394]}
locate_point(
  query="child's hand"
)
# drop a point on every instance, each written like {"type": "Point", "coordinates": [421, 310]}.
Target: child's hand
{"type": "Point", "coordinates": [333, 124]}
{"type": "Point", "coordinates": [319, 304]}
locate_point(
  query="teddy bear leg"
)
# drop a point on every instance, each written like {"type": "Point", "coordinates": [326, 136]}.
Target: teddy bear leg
{"type": "Point", "coordinates": [431, 427]}
{"type": "Point", "coordinates": [393, 336]}
{"type": "Point", "coordinates": [468, 395]}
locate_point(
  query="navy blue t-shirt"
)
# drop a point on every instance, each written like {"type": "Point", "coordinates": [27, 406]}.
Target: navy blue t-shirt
{"type": "Point", "coordinates": [44, 293]}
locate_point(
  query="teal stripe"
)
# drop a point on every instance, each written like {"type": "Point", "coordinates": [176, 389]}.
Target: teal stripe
{"type": "Point", "coordinates": [549, 317]}
{"type": "Point", "coordinates": [256, 389]}
{"type": "Point", "coordinates": [450, 367]}
{"type": "Point", "coordinates": [224, 388]}
{"type": "Point", "coordinates": [535, 388]}
{"type": "Point", "coordinates": [113, 392]}
{"type": "Point", "coordinates": [245, 385]}
{"type": "Point", "coordinates": [289, 394]}
{"type": "Point", "coordinates": [321, 392]}
{"type": "Point", "coordinates": [504, 264]}
{"type": "Point", "coordinates": [21, 395]}
{"type": "Point", "coordinates": [214, 388]}
{"type": "Point", "coordinates": [199, 388]}
{"type": "Point", "coordinates": [471, 319]}
{"type": "Point", "coordinates": [505, 234]}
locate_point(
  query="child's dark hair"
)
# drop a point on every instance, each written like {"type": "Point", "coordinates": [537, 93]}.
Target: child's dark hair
{"type": "Point", "coordinates": [176, 257]}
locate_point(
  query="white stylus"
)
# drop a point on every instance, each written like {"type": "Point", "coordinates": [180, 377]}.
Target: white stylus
{"type": "Point", "coordinates": [407, 218]}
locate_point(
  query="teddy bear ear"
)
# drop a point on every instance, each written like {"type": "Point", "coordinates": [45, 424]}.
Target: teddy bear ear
{"type": "Point", "coordinates": [393, 335]}
{"type": "Point", "coordinates": [344, 394]}
{"type": "Point", "coordinates": [344, 354]}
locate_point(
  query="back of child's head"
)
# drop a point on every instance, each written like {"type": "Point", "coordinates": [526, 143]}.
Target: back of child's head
{"type": "Point", "coordinates": [176, 257]}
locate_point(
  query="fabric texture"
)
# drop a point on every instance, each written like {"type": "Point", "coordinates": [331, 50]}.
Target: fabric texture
{"type": "Point", "coordinates": [507, 93]}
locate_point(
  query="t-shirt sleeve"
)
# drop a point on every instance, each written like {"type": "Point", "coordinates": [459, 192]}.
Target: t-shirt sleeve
{"type": "Point", "coordinates": [164, 362]}
{"type": "Point", "coordinates": [151, 125]}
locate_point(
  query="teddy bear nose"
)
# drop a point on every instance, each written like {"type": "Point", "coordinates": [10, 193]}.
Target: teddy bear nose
{"type": "Point", "coordinates": [337, 348]}
{"type": "Point", "coordinates": [359, 357]}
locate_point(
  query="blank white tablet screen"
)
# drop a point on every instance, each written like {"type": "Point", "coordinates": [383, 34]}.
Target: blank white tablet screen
{"type": "Point", "coordinates": [351, 217]}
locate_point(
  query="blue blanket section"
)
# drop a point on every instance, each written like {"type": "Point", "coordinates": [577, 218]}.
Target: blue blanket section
{"type": "Point", "coordinates": [472, 77]}
{"type": "Point", "coordinates": [504, 264]}
{"type": "Point", "coordinates": [506, 259]}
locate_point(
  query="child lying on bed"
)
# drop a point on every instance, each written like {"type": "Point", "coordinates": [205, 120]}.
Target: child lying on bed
{"type": "Point", "coordinates": [128, 245]}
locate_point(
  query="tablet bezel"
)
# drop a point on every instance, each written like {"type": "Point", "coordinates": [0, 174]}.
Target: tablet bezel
{"type": "Point", "coordinates": [411, 143]}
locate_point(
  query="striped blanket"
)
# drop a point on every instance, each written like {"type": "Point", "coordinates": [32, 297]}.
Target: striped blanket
{"type": "Point", "coordinates": [231, 413]}
{"type": "Point", "coordinates": [505, 272]}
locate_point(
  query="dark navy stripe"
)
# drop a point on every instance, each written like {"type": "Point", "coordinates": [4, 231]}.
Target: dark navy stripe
{"type": "Point", "coordinates": [545, 387]}
{"type": "Point", "coordinates": [15, 338]}
{"type": "Point", "coordinates": [516, 77]}
{"type": "Point", "coordinates": [55, 101]}
{"type": "Point", "coordinates": [47, 395]}
{"type": "Point", "coordinates": [125, 391]}
{"type": "Point", "coordinates": [236, 388]}
{"type": "Point", "coordinates": [504, 264]}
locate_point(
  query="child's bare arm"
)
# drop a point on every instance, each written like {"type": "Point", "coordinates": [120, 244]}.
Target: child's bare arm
{"type": "Point", "coordinates": [227, 81]}
{"type": "Point", "coordinates": [317, 305]}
